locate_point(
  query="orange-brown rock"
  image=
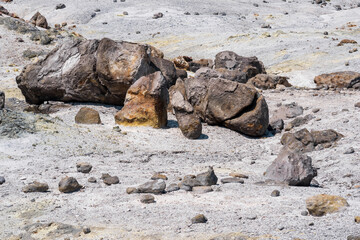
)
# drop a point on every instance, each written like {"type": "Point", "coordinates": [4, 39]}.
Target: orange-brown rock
{"type": "Point", "coordinates": [87, 116]}
{"type": "Point", "coordinates": [268, 81]}
{"type": "Point", "coordinates": [345, 79]}
{"type": "Point", "coordinates": [182, 62]}
{"type": "Point", "coordinates": [145, 103]}
{"type": "Point", "coordinates": [347, 41]}
{"type": "Point", "coordinates": [323, 204]}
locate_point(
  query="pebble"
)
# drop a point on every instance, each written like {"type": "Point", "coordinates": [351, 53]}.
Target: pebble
{"type": "Point", "coordinates": [275, 193]}
{"type": "Point", "coordinates": [357, 219]}
{"type": "Point", "coordinates": [202, 189]}
{"type": "Point", "coordinates": [232, 180]}
{"type": "Point", "coordinates": [349, 151]}
{"type": "Point", "coordinates": [2, 180]}
{"type": "Point", "coordinates": [147, 199]}
{"type": "Point", "coordinates": [92, 180]}
{"type": "Point", "coordinates": [69, 185]}
{"type": "Point", "coordinates": [86, 230]}
{"type": "Point", "coordinates": [109, 180]}
{"type": "Point", "coordinates": [315, 110]}
{"type": "Point", "coordinates": [60, 6]}
{"type": "Point", "coordinates": [304, 213]}
{"type": "Point", "coordinates": [172, 188]}
{"type": "Point", "coordinates": [131, 190]}
{"type": "Point", "coordinates": [35, 187]}
{"type": "Point", "coordinates": [83, 167]}
{"type": "Point", "coordinates": [200, 218]}
{"type": "Point", "coordinates": [157, 176]}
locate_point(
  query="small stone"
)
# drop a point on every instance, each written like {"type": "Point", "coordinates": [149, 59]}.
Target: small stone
{"type": "Point", "coordinates": [353, 237]}
{"type": "Point", "coordinates": [207, 178]}
{"type": "Point", "coordinates": [155, 186]}
{"type": "Point", "coordinates": [200, 218]}
{"type": "Point", "coordinates": [158, 15]}
{"type": "Point", "coordinates": [86, 230]}
{"type": "Point", "coordinates": [232, 180]}
{"type": "Point", "coordinates": [36, 187]}
{"type": "Point", "coordinates": [68, 185]}
{"type": "Point", "coordinates": [60, 6]}
{"type": "Point", "coordinates": [187, 13]}
{"type": "Point", "coordinates": [131, 190]}
{"type": "Point", "coordinates": [275, 193]}
{"type": "Point", "coordinates": [172, 188]}
{"type": "Point", "coordinates": [2, 100]}
{"type": "Point", "coordinates": [238, 175]}
{"type": "Point", "coordinates": [357, 105]}
{"type": "Point", "coordinates": [109, 180]}
{"type": "Point", "coordinates": [357, 219]}
{"type": "Point", "coordinates": [304, 213]}
{"type": "Point", "coordinates": [323, 204]}
{"type": "Point", "coordinates": [92, 180]}
{"type": "Point", "coordinates": [97, 10]}
{"type": "Point", "coordinates": [2, 180]}
{"type": "Point", "coordinates": [202, 189]}
{"type": "Point", "coordinates": [251, 217]}
{"type": "Point", "coordinates": [87, 116]}
{"type": "Point", "coordinates": [125, 13]}
{"type": "Point", "coordinates": [349, 151]}
{"type": "Point", "coordinates": [159, 176]}
{"type": "Point", "coordinates": [83, 167]}
{"type": "Point", "coordinates": [315, 110]}
{"type": "Point", "coordinates": [147, 199]}
{"type": "Point", "coordinates": [326, 33]}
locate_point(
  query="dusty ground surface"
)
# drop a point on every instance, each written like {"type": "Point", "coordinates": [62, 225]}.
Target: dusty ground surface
{"type": "Point", "coordinates": [295, 46]}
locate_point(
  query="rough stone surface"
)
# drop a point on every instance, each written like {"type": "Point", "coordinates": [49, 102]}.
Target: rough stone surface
{"type": "Point", "coordinates": [294, 169]}
{"type": "Point", "coordinates": [87, 116]}
{"type": "Point", "coordinates": [231, 61]}
{"type": "Point", "coordinates": [189, 123]}
{"type": "Point", "coordinates": [323, 204]}
{"type": "Point", "coordinates": [69, 185]}
{"type": "Point", "coordinates": [110, 180]}
{"type": "Point", "coordinates": [232, 180]}
{"type": "Point", "coordinates": [146, 102]}
{"type": "Point", "coordinates": [2, 180]}
{"type": "Point", "coordinates": [155, 186]}
{"type": "Point", "coordinates": [207, 178]}
{"type": "Point", "coordinates": [83, 167]}
{"type": "Point", "coordinates": [39, 20]}
{"type": "Point", "coordinates": [268, 81]}
{"type": "Point", "coordinates": [147, 198]}
{"type": "Point", "coordinates": [36, 187]}
{"type": "Point", "coordinates": [86, 71]}
{"type": "Point", "coordinates": [2, 100]}
{"type": "Point", "coordinates": [157, 176]}
{"type": "Point", "coordinates": [200, 218]}
{"type": "Point", "coordinates": [345, 79]}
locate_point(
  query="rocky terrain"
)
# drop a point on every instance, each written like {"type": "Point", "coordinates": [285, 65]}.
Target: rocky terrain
{"type": "Point", "coordinates": [91, 150]}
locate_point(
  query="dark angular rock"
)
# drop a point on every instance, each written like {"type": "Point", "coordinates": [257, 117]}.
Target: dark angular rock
{"type": "Point", "coordinates": [155, 186]}
{"type": "Point", "coordinates": [35, 187]}
{"type": "Point", "coordinates": [200, 218]}
{"type": "Point", "coordinates": [207, 178]}
{"type": "Point", "coordinates": [69, 185]}
{"type": "Point", "coordinates": [87, 116]}
{"type": "Point", "coordinates": [83, 167]}
{"type": "Point", "coordinates": [268, 81]}
{"type": "Point", "coordinates": [2, 100]}
{"type": "Point", "coordinates": [39, 20]}
{"type": "Point", "coordinates": [2, 180]}
{"type": "Point", "coordinates": [109, 180]}
{"type": "Point", "coordinates": [147, 198]}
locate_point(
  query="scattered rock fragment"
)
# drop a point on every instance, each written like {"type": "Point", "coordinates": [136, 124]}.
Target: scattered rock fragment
{"type": "Point", "coordinates": [83, 167]}
{"type": "Point", "coordinates": [155, 186]}
{"type": "Point", "coordinates": [69, 185]}
{"type": "Point", "coordinates": [294, 169]}
{"type": "Point", "coordinates": [109, 180]}
{"type": "Point", "coordinates": [39, 20]}
{"type": "Point", "coordinates": [86, 230]}
{"type": "Point", "coordinates": [277, 126]}
{"type": "Point", "coordinates": [207, 178]}
{"type": "Point", "coordinates": [357, 219]}
{"type": "Point", "coordinates": [268, 81]}
{"type": "Point", "coordinates": [298, 121]}
{"type": "Point", "coordinates": [158, 15]}
{"type": "Point", "coordinates": [357, 105]}
{"type": "Point", "coordinates": [2, 180]}
{"type": "Point", "coordinates": [200, 218]}
{"type": "Point", "coordinates": [172, 187]}
{"type": "Point", "coordinates": [87, 116]}
{"type": "Point", "coordinates": [36, 187]}
{"type": "Point", "coordinates": [323, 204]}
{"type": "Point", "coordinates": [347, 41]}
{"type": "Point", "coordinates": [2, 100]}
{"type": "Point", "coordinates": [275, 193]}
{"type": "Point", "coordinates": [92, 180]}
{"type": "Point", "coordinates": [202, 189]}
{"type": "Point", "coordinates": [349, 151]}
{"type": "Point", "coordinates": [146, 102]}
{"type": "Point", "coordinates": [147, 198]}
{"type": "Point", "coordinates": [131, 190]}
{"type": "Point", "coordinates": [238, 175]}
{"type": "Point", "coordinates": [232, 180]}
{"type": "Point", "coordinates": [157, 176]}
{"type": "Point", "coordinates": [60, 6]}
{"type": "Point", "coordinates": [353, 237]}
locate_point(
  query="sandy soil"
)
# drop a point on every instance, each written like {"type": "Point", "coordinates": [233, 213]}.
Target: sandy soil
{"type": "Point", "coordinates": [295, 46]}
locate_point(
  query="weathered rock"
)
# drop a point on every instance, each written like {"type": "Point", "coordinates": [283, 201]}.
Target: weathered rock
{"type": "Point", "coordinates": [69, 185]}
{"type": "Point", "coordinates": [172, 187]}
{"type": "Point", "coordinates": [357, 105]}
{"type": "Point", "coordinates": [200, 218]}
{"type": "Point", "coordinates": [60, 6]}
{"type": "Point", "coordinates": [167, 68]}
{"type": "Point", "coordinates": [238, 175]}
{"type": "Point", "coordinates": [182, 62]}
{"type": "Point", "coordinates": [298, 121]}
{"type": "Point", "coordinates": [87, 116]}
{"type": "Point", "coordinates": [147, 198]}
{"type": "Point", "coordinates": [87, 71]}
{"type": "Point", "coordinates": [39, 20]}
{"type": "Point", "coordinates": [350, 150]}
{"type": "Point", "coordinates": [231, 61]}
{"type": "Point", "coordinates": [197, 64]}
{"type": "Point", "coordinates": [268, 81]}
{"type": "Point", "coordinates": [92, 180]}
{"type": "Point", "coordinates": [357, 219]}
{"type": "Point", "coordinates": [156, 187]}
{"type": "Point", "coordinates": [207, 178]}
{"type": "Point", "coordinates": [36, 187]}
{"type": "Point", "coordinates": [110, 180]}
{"type": "Point", "coordinates": [345, 79]}
{"type": "Point", "coordinates": [326, 136]}
{"type": "Point", "coordinates": [46, 108]}
{"type": "Point", "coordinates": [157, 176]}
{"type": "Point", "coordinates": [353, 237]}
{"type": "Point", "coordinates": [294, 169]}
{"type": "Point", "coordinates": [86, 230]}
{"type": "Point", "coordinates": [189, 122]}
{"type": "Point", "coordinates": [202, 189]}
{"type": "Point", "coordinates": [3, 10]}
{"type": "Point", "coordinates": [346, 41]}
{"type": "Point", "coordinates": [2, 100]}
{"type": "Point", "coordinates": [323, 204]}
{"type": "Point", "coordinates": [145, 103]}
{"type": "Point", "coordinates": [83, 167]}
{"type": "Point", "coordinates": [293, 110]}
{"type": "Point", "coordinates": [277, 126]}
{"type": "Point", "coordinates": [131, 190]}
{"type": "Point", "coordinates": [275, 193]}
{"type": "Point", "coordinates": [232, 180]}
{"type": "Point", "coordinates": [2, 180]}
{"type": "Point", "coordinates": [15, 123]}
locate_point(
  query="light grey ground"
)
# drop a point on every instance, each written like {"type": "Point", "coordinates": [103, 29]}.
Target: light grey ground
{"type": "Point", "coordinates": [52, 153]}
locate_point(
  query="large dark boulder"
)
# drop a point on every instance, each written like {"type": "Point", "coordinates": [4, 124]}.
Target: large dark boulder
{"type": "Point", "coordinates": [91, 71]}
{"type": "Point", "coordinates": [346, 79]}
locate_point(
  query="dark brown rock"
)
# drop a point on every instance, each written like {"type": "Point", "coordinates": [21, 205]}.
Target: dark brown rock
{"type": "Point", "coordinates": [300, 141]}
{"type": "Point", "coordinates": [69, 185]}
{"type": "Point", "coordinates": [294, 169]}
{"type": "Point", "coordinates": [345, 79]}
{"type": "Point", "coordinates": [87, 71]}
{"type": "Point", "coordinates": [200, 218]}
{"type": "Point", "coordinates": [231, 61]}
{"type": "Point", "coordinates": [167, 68]}
{"type": "Point", "coordinates": [146, 102]}
{"type": "Point", "coordinates": [189, 122]}
{"type": "Point", "coordinates": [2, 100]}
{"type": "Point", "coordinates": [268, 81]}
{"type": "Point", "coordinates": [232, 180]}
{"type": "Point", "coordinates": [36, 187]}
{"type": "Point", "coordinates": [83, 167]}
{"type": "Point", "coordinates": [39, 20]}
{"type": "Point", "coordinates": [87, 116]}
{"type": "Point", "coordinates": [109, 180]}
{"type": "Point", "coordinates": [325, 136]}
{"type": "Point", "coordinates": [3, 10]}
